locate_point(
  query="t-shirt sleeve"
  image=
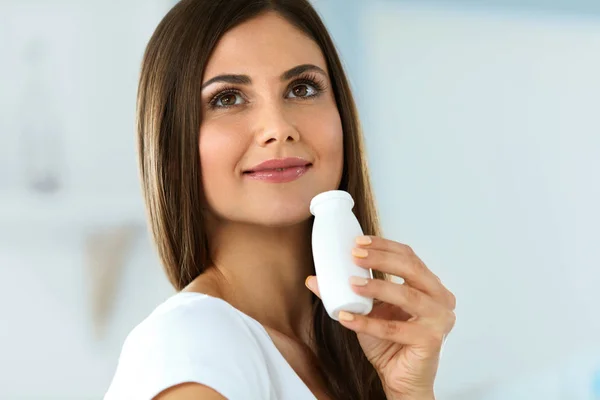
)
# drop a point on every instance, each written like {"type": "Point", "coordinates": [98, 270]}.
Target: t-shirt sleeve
{"type": "Point", "coordinates": [213, 347]}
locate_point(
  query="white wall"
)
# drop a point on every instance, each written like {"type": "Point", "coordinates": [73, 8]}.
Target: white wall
{"type": "Point", "coordinates": [47, 344]}
{"type": "Point", "coordinates": [93, 51]}
{"type": "Point", "coordinates": [484, 138]}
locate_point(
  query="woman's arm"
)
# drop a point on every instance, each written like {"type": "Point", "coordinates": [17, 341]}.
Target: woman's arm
{"type": "Point", "coordinates": [190, 391]}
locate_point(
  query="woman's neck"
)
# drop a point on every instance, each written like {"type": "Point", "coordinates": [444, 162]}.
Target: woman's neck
{"type": "Point", "coordinates": [261, 271]}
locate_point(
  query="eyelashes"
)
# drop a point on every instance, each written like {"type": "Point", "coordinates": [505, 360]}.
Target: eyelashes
{"type": "Point", "coordinates": [313, 81]}
{"type": "Point", "coordinates": [227, 90]}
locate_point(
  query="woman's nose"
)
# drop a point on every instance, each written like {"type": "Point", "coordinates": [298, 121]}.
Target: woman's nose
{"type": "Point", "coordinates": [275, 126]}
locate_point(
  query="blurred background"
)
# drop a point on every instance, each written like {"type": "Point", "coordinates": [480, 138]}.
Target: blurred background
{"type": "Point", "coordinates": [482, 122]}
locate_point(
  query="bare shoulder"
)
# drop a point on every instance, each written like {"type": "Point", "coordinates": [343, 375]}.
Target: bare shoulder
{"type": "Point", "coordinates": [190, 391]}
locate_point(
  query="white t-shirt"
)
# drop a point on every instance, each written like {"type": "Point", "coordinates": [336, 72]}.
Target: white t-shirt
{"type": "Point", "coordinates": [193, 337]}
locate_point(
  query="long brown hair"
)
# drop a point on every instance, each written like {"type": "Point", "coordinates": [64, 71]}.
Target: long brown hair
{"type": "Point", "coordinates": [169, 117]}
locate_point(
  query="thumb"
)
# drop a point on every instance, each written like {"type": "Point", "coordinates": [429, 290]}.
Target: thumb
{"type": "Point", "coordinates": [312, 284]}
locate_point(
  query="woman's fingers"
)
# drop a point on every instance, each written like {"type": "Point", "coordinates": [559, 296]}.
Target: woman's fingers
{"type": "Point", "coordinates": [400, 260]}
{"type": "Point", "coordinates": [312, 284]}
{"type": "Point", "coordinates": [411, 300]}
{"type": "Point", "coordinates": [403, 332]}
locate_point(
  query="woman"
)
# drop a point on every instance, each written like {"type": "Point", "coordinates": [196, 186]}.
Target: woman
{"type": "Point", "coordinates": [245, 114]}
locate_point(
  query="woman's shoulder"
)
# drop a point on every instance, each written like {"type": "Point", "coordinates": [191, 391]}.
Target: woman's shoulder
{"type": "Point", "coordinates": [191, 337]}
{"type": "Point", "coordinates": [191, 322]}
{"type": "Point", "coordinates": [191, 313]}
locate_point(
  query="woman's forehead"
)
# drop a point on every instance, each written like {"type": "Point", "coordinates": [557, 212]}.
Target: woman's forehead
{"type": "Point", "coordinates": [266, 45]}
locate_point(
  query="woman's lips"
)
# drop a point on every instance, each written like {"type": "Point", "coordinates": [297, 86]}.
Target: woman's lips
{"type": "Point", "coordinates": [278, 175]}
{"type": "Point", "coordinates": [279, 170]}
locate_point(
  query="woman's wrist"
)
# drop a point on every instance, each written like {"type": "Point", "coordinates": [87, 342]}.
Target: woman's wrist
{"type": "Point", "coordinates": [426, 396]}
{"type": "Point", "coordinates": [390, 395]}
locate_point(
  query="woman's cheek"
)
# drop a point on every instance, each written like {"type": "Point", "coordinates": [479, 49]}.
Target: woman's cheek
{"type": "Point", "coordinates": [222, 140]}
{"type": "Point", "coordinates": [325, 131]}
{"type": "Point", "coordinates": [220, 150]}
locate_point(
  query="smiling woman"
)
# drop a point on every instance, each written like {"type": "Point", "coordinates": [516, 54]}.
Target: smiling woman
{"type": "Point", "coordinates": [307, 86]}
{"type": "Point", "coordinates": [245, 115]}
{"type": "Point", "coordinates": [277, 104]}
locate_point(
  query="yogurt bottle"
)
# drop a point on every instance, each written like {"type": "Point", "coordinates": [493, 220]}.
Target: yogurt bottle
{"type": "Point", "coordinates": [334, 233]}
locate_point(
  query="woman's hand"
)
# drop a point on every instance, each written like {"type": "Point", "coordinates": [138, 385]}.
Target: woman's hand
{"type": "Point", "coordinates": [403, 335]}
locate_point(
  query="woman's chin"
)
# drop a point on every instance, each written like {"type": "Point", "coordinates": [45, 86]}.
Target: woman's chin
{"type": "Point", "coordinates": [274, 215]}
{"type": "Point", "coordinates": [282, 217]}
{"type": "Point", "coordinates": [273, 210]}
{"type": "Point", "coordinates": [284, 221]}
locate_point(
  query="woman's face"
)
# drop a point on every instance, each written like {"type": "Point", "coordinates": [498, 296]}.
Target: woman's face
{"type": "Point", "coordinates": [267, 95]}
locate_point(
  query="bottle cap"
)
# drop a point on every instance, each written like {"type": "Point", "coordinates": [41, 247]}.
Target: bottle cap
{"type": "Point", "coordinates": [335, 195]}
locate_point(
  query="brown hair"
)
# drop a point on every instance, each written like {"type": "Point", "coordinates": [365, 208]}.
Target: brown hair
{"type": "Point", "coordinates": [169, 117]}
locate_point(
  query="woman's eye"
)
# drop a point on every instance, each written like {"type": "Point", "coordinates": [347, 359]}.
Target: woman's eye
{"type": "Point", "coordinates": [303, 90]}
{"type": "Point", "coordinates": [228, 100]}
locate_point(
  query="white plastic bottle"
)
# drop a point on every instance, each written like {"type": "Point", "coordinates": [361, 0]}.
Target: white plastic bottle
{"type": "Point", "coordinates": [333, 236]}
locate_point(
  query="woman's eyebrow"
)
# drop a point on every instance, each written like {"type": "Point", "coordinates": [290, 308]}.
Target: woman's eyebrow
{"type": "Point", "coordinates": [299, 70]}
{"type": "Point", "coordinates": [246, 80]}
{"type": "Point", "coordinates": [229, 78]}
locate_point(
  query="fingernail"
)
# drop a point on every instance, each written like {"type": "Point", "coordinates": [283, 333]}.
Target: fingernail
{"type": "Point", "coordinates": [360, 253]}
{"type": "Point", "coordinates": [358, 281]}
{"type": "Point", "coordinates": [307, 284]}
{"type": "Point", "coordinates": [364, 240]}
{"type": "Point", "coordinates": [345, 316]}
